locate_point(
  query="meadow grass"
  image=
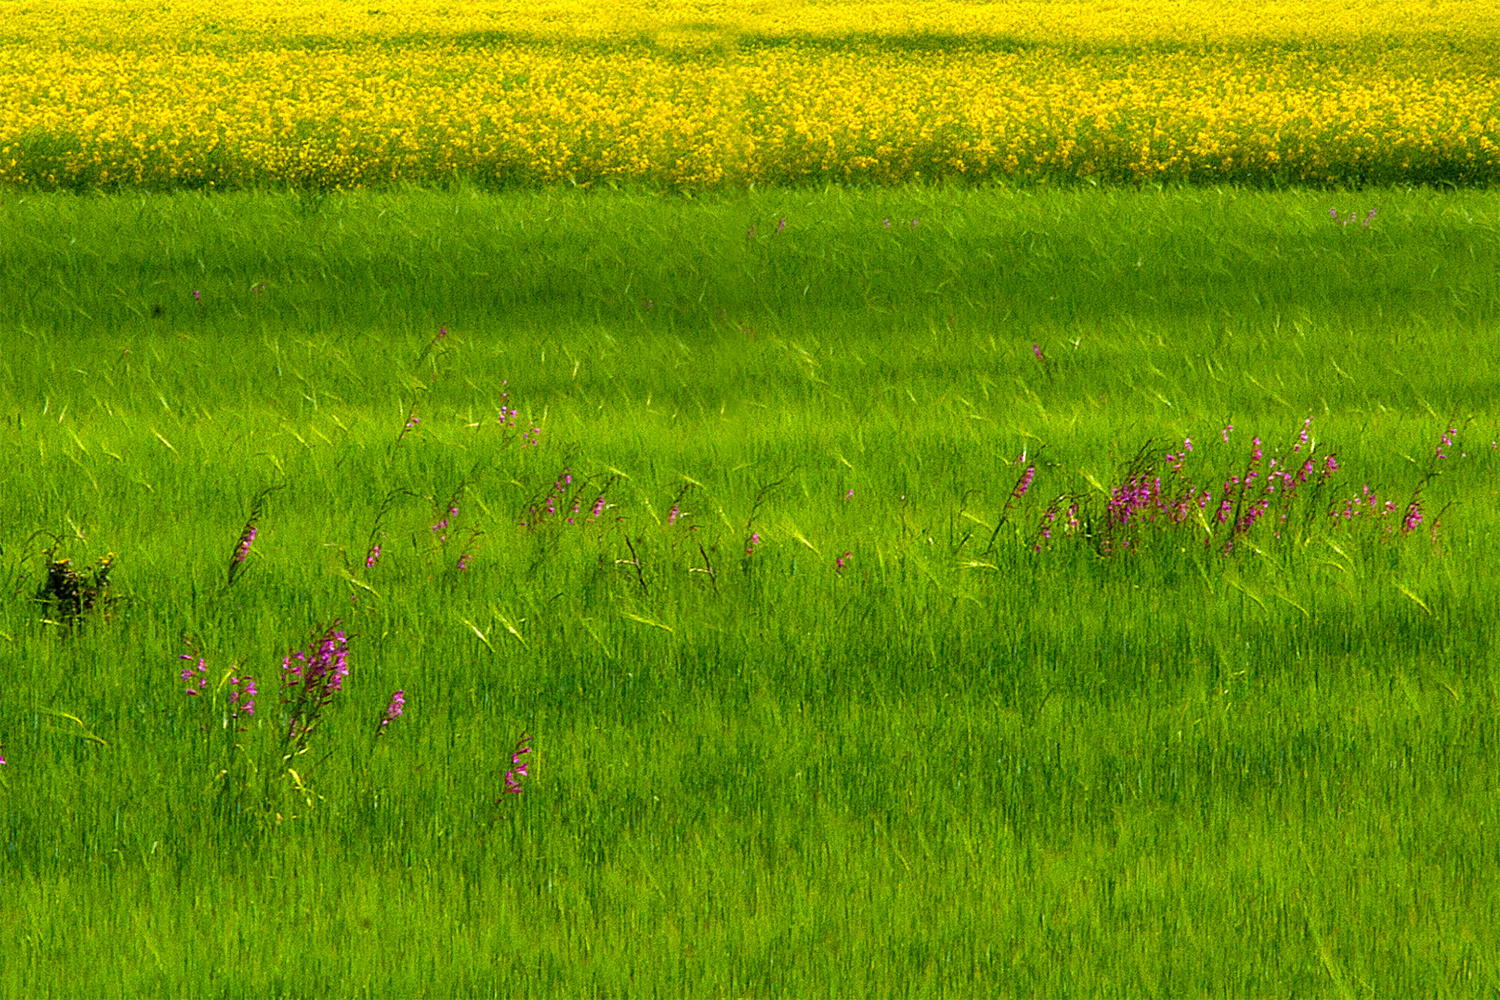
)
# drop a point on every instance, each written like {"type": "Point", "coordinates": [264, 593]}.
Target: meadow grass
{"type": "Point", "coordinates": [816, 706]}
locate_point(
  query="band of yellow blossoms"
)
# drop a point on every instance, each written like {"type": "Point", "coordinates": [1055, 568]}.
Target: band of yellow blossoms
{"type": "Point", "coordinates": [333, 93]}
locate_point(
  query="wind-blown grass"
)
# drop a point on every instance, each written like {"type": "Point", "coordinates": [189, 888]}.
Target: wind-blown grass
{"type": "Point", "coordinates": [890, 749]}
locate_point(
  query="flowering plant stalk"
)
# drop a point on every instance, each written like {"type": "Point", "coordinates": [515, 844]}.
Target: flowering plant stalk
{"type": "Point", "coordinates": [1276, 492]}
{"type": "Point", "coordinates": [752, 537]}
{"type": "Point", "coordinates": [1017, 493]}
{"type": "Point", "coordinates": [226, 715]}
{"type": "Point", "coordinates": [310, 679]}
{"type": "Point", "coordinates": [410, 424]}
{"type": "Point", "coordinates": [373, 544]}
{"type": "Point", "coordinates": [247, 535]}
{"type": "Point", "coordinates": [392, 712]}
{"type": "Point", "coordinates": [517, 767]}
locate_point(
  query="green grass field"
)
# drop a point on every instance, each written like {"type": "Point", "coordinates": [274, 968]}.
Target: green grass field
{"type": "Point", "coordinates": [829, 693]}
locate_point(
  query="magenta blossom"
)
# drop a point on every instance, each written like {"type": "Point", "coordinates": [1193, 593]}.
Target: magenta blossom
{"type": "Point", "coordinates": [246, 538]}
{"type": "Point", "coordinates": [241, 696]}
{"type": "Point", "coordinates": [392, 711]}
{"type": "Point", "coordinates": [310, 678]}
{"type": "Point", "coordinates": [196, 676]}
{"type": "Point", "coordinates": [518, 769]}
{"type": "Point", "coordinates": [1413, 518]}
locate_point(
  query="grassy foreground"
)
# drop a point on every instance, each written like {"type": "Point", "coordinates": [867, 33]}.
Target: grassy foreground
{"type": "Point", "coordinates": [744, 510]}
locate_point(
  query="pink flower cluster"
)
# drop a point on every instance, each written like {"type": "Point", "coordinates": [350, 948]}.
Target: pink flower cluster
{"type": "Point", "coordinates": [518, 767]}
{"type": "Point", "coordinates": [1446, 441]}
{"type": "Point", "coordinates": [241, 696]}
{"type": "Point", "coordinates": [246, 538]}
{"type": "Point", "coordinates": [1268, 485]}
{"type": "Point", "coordinates": [441, 527]}
{"type": "Point", "coordinates": [241, 688]}
{"type": "Point", "coordinates": [196, 676]}
{"type": "Point", "coordinates": [392, 711]}
{"type": "Point", "coordinates": [1413, 519]}
{"type": "Point", "coordinates": [1024, 483]}
{"type": "Point", "coordinates": [1334, 213]}
{"type": "Point", "coordinates": [1139, 493]}
{"type": "Point", "coordinates": [559, 501]}
{"type": "Point", "coordinates": [311, 678]}
{"type": "Point", "coordinates": [1368, 504]}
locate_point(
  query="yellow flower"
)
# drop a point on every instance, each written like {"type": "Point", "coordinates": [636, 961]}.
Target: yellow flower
{"type": "Point", "coordinates": [683, 94]}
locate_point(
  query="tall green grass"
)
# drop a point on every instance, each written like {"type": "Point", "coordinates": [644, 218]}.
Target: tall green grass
{"type": "Point", "coordinates": [894, 749]}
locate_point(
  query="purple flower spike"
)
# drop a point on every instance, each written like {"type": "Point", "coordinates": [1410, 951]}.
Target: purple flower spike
{"type": "Point", "coordinates": [392, 711]}
{"type": "Point", "coordinates": [1413, 518]}
{"type": "Point", "coordinates": [246, 538]}
{"type": "Point", "coordinates": [518, 770]}
{"type": "Point", "coordinates": [310, 678]}
{"type": "Point", "coordinates": [241, 696]}
{"type": "Point", "coordinates": [196, 676]}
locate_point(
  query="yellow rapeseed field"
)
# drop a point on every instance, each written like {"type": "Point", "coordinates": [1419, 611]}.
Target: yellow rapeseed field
{"type": "Point", "coordinates": [338, 93]}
